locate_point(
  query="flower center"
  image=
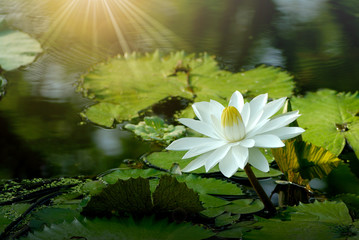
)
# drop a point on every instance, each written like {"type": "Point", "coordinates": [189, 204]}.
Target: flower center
{"type": "Point", "coordinates": [232, 124]}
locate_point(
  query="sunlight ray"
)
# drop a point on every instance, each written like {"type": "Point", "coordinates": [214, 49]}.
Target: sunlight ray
{"type": "Point", "coordinates": [120, 36]}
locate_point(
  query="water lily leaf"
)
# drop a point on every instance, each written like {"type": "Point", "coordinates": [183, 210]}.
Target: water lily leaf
{"type": "Point", "coordinates": [93, 187]}
{"type": "Point", "coordinates": [132, 195]}
{"type": "Point", "coordinates": [210, 185]}
{"type": "Point", "coordinates": [321, 220]}
{"type": "Point", "coordinates": [52, 215]}
{"type": "Point", "coordinates": [244, 206]}
{"type": "Point", "coordinates": [125, 174]}
{"type": "Point", "coordinates": [155, 129]}
{"type": "Point", "coordinates": [329, 119]}
{"type": "Point", "coordinates": [352, 202]}
{"type": "Point", "coordinates": [16, 48]}
{"type": "Point", "coordinates": [342, 180]}
{"type": "Point", "coordinates": [330, 212]}
{"type": "Point", "coordinates": [126, 85]}
{"type": "Point", "coordinates": [171, 194]}
{"type": "Point", "coordinates": [299, 161]}
{"type": "Point", "coordinates": [121, 229]}
{"type": "Point", "coordinates": [226, 219]}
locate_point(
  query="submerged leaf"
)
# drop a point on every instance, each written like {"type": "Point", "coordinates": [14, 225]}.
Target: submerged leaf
{"type": "Point", "coordinates": [301, 161]}
{"type": "Point", "coordinates": [121, 229]}
{"type": "Point", "coordinates": [330, 119]}
{"type": "Point", "coordinates": [16, 48]}
{"type": "Point", "coordinates": [124, 86]}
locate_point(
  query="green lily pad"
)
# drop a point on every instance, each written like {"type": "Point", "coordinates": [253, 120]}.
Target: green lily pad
{"type": "Point", "coordinates": [121, 229]}
{"type": "Point", "coordinates": [301, 161]}
{"type": "Point", "coordinates": [330, 119]}
{"type": "Point", "coordinates": [16, 48]}
{"type": "Point", "coordinates": [125, 174]}
{"type": "Point", "coordinates": [124, 86]}
{"type": "Point", "coordinates": [245, 206]}
{"type": "Point", "coordinates": [226, 219]}
{"type": "Point", "coordinates": [155, 129]}
{"type": "Point", "coordinates": [171, 194]}
{"type": "Point", "coordinates": [210, 185]}
{"type": "Point", "coordinates": [240, 206]}
{"type": "Point", "coordinates": [342, 180]}
{"type": "Point", "coordinates": [52, 215]}
{"type": "Point", "coordinates": [134, 196]}
{"type": "Point", "coordinates": [321, 220]}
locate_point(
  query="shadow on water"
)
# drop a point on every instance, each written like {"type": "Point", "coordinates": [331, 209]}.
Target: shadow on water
{"type": "Point", "coordinates": [41, 134]}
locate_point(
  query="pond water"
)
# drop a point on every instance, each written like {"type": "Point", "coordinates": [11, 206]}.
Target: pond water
{"type": "Point", "coordinates": [41, 132]}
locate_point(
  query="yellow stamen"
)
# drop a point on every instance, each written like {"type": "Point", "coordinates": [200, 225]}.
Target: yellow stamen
{"type": "Point", "coordinates": [230, 116]}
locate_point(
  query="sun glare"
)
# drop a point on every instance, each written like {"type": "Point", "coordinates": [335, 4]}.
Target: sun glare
{"type": "Point", "coordinates": [96, 21]}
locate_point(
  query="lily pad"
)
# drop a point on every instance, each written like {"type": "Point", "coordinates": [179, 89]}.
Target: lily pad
{"type": "Point", "coordinates": [121, 229]}
{"type": "Point", "coordinates": [155, 129]}
{"type": "Point", "coordinates": [125, 85]}
{"type": "Point", "coordinates": [16, 48]}
{"type": "Point", "coordinates": [134, 196]}
{"type": "Point", "coordinates": [321, 220]}
{"type": "Point", "coordinates": [301, 161]}
{"type": "Point", "coordinates": [330, 119]}
{"type": "Point", "coordinates": [125, 174]}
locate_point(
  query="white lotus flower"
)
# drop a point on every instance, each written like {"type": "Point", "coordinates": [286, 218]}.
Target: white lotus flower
{"type": "Point", "coordinates": [235, 133]}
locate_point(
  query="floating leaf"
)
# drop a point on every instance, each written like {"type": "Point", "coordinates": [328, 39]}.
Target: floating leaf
{"type": "Point", "coordinates": [329, 119]}
{"type": "Point", "coordinates": [124, 86]}
{"type": "Point", "coordinates": [226, 219]}
{"type": "Point", "coordinates": [155, 129]}
{"type": "Point", "coordinates": [171, 194]}
{"type": "Point", "coordinates": [121, 229]}
{"type": "Point", "coordinates": [52, 215]}
{"type": "Point", "coordinates": [210, 185]}
{"type": "Point", "coordinates": [342, 180]}
{"type": "Point", "coordinates": [125, 174]}
{"type": "Point", "coordinates": [245, 206]}
{"type": "Point", "coordinates": [16, 48]}
{"type": "Point", "coordinates": [207, 186]}
{"type": "Point", "coordinates": [134, 196]}
{"type": "Point", "coordinates": [299, 161]}
{"type": "Point", "coordinates": [326, 220]}
{"type": "Point", "coordinates": [352, 202]}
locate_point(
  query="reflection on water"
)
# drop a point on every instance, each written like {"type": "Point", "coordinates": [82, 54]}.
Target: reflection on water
{"type": "Point", "coordinates": [41, 134]}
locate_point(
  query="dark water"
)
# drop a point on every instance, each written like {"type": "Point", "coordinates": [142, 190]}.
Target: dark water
{"type": "Point", "coordinates": [40, 129]}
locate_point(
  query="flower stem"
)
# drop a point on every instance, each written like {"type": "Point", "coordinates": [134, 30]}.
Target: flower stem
{"type": "Point", "coordinates": [259, 190]}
